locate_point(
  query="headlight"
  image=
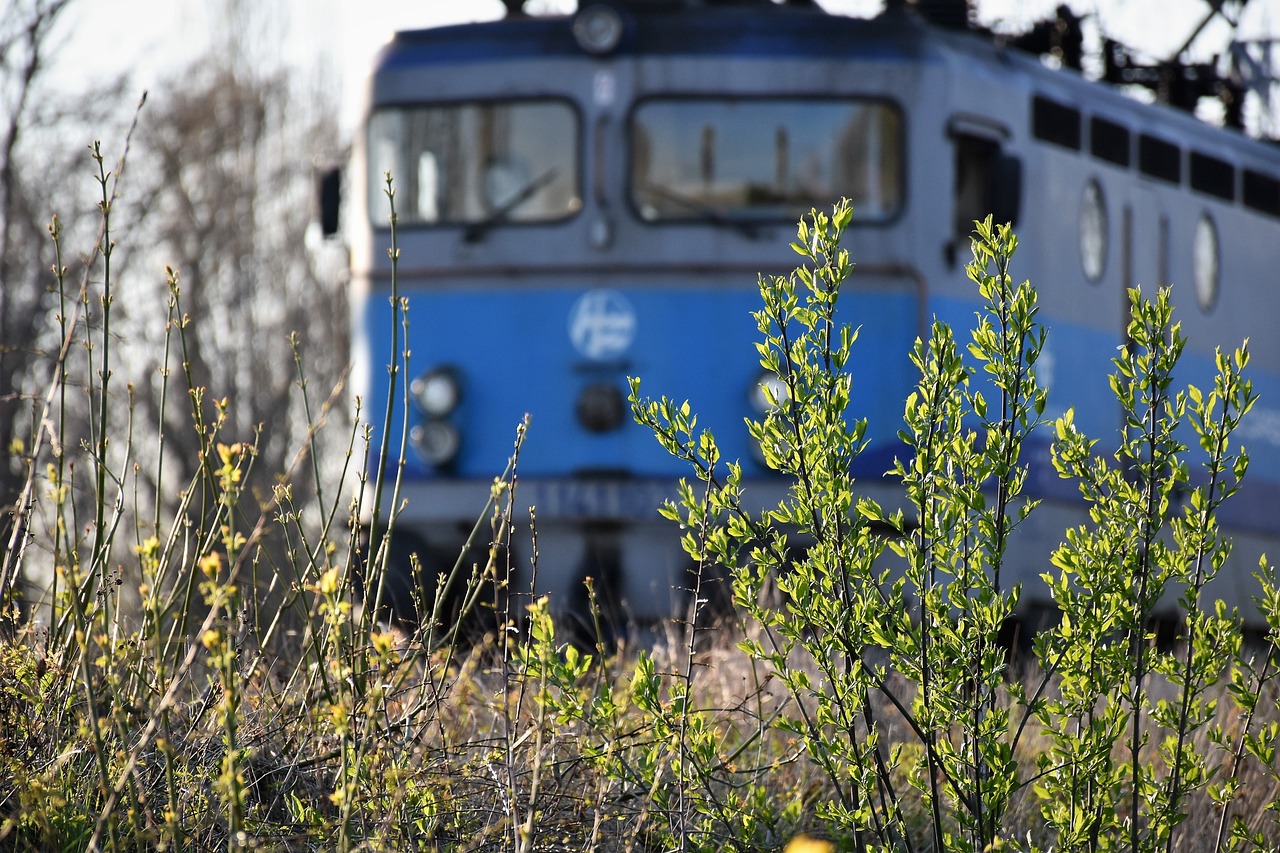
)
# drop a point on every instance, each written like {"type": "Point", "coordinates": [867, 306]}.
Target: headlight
{"type": "Point", "coordinates": [598, 29]}
{"type": "Point", "coordinates": [436, 392]}
{"type": "Point", "coordinates": [436, 442]}
{"type": "Point", "coordinates": [777, 389]}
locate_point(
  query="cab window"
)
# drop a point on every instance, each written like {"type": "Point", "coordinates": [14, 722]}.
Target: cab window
{"type": "Point", "coordinates": [764, 158]}
{"type": "Point", "coordinates": [508, 161]}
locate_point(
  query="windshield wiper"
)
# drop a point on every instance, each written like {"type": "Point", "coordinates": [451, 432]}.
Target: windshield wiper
{"type": "Point", "coordinates": [704, 212]}
{"type": "Point", "coordinates": [477, 230]}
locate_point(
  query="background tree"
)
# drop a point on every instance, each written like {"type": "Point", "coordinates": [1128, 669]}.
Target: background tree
{"type": "Point", "coordinates": [218, 188]}
{"type": "Point", "coordinates": [40, 174]}
{"type": "Point", "coordinates": [227, 154]}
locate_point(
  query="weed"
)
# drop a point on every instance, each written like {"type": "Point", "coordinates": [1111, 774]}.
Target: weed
{"type": "Point", "coordinates": [188, 689]}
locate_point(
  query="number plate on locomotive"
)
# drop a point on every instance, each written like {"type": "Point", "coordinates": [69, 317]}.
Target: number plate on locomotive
{"type": "Point", "coordinates": [596, 499]}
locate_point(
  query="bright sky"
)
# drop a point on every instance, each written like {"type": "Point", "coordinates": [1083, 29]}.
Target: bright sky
{"type": "Point", "coordinates": [341, 37]}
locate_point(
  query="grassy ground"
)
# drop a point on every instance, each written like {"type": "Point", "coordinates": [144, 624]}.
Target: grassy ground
{"type": "Point", "coordinates": [202, 672]}
{"type": "Point", "coordinates": [377, 741]}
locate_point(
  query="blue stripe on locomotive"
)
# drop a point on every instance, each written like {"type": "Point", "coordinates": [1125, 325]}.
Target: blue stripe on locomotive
{"type": "Point", "coordinates": [513, 349]}
{"type": "Point", "coordinates": [1075, 370]}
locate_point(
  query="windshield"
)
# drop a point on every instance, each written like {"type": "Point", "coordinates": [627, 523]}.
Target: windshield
{"type": "Point", "coordinates": [512, 161]}
{"type": "Point", "coordinates": [764, 158]}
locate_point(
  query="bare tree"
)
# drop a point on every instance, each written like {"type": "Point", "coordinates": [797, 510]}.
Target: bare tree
{"type": "Point", "coordinates": [228, 150]}
{"type": "Point", "coordinates": [39, 174]}
{"type": "Point", "coordinates": [219, 189]}
{"type": "Point", "coordinates": [23, 42]}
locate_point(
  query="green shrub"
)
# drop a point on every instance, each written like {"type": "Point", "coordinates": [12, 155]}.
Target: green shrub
{"type": "Point", "coordinates": [212, 680]}
{"type": "Point", "coordinates": [1111, 739]}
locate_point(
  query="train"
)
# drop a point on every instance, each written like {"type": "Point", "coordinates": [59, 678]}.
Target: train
{"type": "Point", "coordinates": [589, 197]}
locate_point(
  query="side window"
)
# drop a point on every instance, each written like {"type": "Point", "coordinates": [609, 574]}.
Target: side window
{"type": "Point", "coordinates": [975, 158]}
{"type": "Point", "coordinates": [988, 182]}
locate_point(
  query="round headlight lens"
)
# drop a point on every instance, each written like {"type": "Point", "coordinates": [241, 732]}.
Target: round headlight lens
{"type": "Point", "coordinates": [598, 29]}
{"type": "Point", "coordinates": [776, 388]}
{"type": "Point", "coordinates": [436, 442]}
{"type": "Point", "coordinates": [436, 392]}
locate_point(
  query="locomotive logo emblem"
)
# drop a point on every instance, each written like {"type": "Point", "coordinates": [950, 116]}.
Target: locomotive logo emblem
{"type": "Point", "coordinates": [602, 324]}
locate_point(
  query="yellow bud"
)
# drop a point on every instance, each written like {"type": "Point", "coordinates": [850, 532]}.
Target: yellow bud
{"type": "Point", "coordinates": [382, 641]}
{"type": "Point", "coordinates": [149, 552]}
{"type": "Point", "coordinates": [210, 564]}
{"type": "Point", "coordinates": [338, 714]}
{"type": "Point", "coordinates": [329, 582]}
{"type": "Point", "coordinates": [805, 843]}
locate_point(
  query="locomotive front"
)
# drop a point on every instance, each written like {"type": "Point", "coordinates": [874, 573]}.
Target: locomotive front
{"type": "Point", "coordinates": [584, 200]}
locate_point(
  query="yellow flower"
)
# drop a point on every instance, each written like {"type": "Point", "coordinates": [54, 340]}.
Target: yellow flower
{"type": "Point", "coordinates": [229, 473]}
{"type": "Point", "coordinates": [210, 564]}
{"type": "Point", "coordinates": [382, 641]}
{"type": "Point", "coordinates": [805, 843]}
{"type": "Point", "coordinates": [329, 582]}
{"type": "Point", "coordinates": [149, 553]}
{"type": "Point", "coordinates": [340, 717]}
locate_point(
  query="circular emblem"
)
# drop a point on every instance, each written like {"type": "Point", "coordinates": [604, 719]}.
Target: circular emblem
{"type": "Point", "coordinates": [602, 324]}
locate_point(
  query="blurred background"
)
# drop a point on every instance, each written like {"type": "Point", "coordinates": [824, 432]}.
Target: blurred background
{"type": "Point", "coordinates": [214, 176]}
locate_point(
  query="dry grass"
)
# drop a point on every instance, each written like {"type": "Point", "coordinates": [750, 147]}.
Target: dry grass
{"type": "Point", "coordinates": [463, 751]}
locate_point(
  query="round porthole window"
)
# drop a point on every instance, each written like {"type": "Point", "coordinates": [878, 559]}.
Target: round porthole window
{"type": "Point", "coordinates": [1093, 231]}
{"type": "Point", "coordinates": [1207, 262]}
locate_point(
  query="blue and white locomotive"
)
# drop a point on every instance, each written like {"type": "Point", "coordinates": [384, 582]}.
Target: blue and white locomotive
{"type": "Point", "coordinates": [587, 198]}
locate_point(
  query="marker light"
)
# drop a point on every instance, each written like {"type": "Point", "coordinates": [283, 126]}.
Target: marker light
{"type": "Point", "coordinates": [436, 442]}
{"type": "Point", "coordinates": [598, 29]}
{"type": "Point", "coordinates": [436, 392]}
